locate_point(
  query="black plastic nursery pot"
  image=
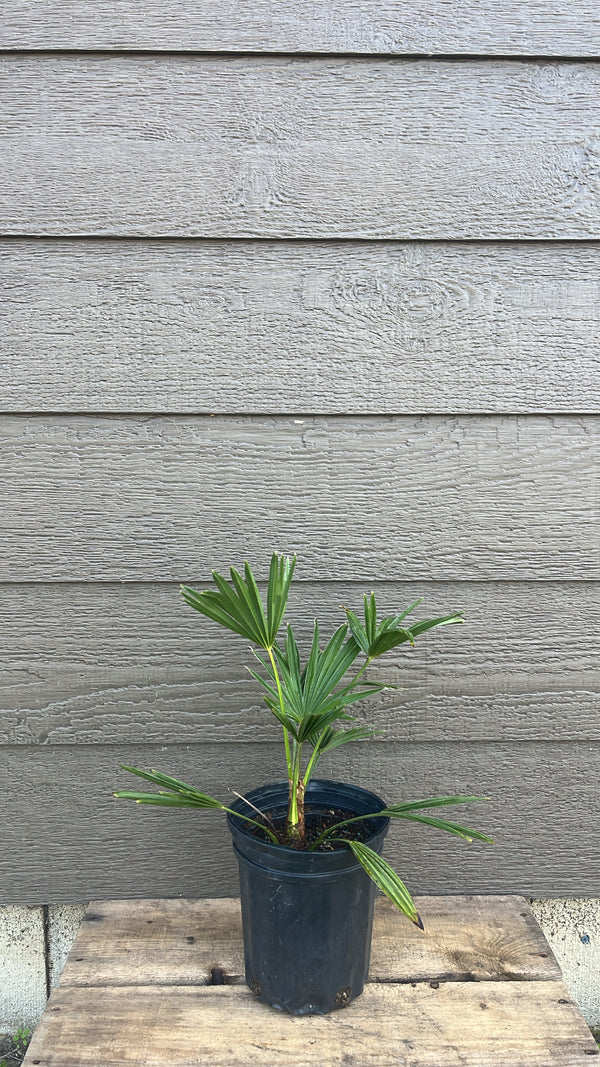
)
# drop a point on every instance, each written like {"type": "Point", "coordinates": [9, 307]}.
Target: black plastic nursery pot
{"type": "Point", "coordinates": [307, 916]}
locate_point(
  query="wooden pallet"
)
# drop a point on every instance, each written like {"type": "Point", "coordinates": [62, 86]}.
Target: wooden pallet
{"type": "Point", "coordinates": [480, 988]}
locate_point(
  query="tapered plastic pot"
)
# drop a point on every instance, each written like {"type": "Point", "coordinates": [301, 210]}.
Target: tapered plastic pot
{"type": "Point", "coordinates": [307, 916]}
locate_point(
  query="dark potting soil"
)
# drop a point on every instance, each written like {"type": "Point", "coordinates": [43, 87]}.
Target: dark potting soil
{"type": "Point", "coordinates": [317, 819]}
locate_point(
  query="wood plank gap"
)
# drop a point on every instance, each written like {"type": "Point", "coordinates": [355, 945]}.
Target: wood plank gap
{"type": "Point", "coordinates": [151, 413]}
{"type": "Point", "coordinates": [382, 583]}
{"type": "Point", "coordinates": [221, 53]}
{"type": "Point", "coordinates": [329, 416]}
{"type": "Point", "coordinates": [291, 239]}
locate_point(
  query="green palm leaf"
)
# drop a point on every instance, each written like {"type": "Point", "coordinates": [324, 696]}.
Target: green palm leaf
{"type": "Point", "coordinates": [373, 638]}
{"type": "Point", "coordinates": [429, 802]}
{"type": "Point", "coordinates": [440, 824]}
{"type": "Point", "coordinates": [314, 721]}
{"type": "Point", "coordinates": [311, 692]}
{"type": "Point", "coordinates": [358, 631]}
{"type": "Point", "coordinates": [281, 573]}
{"type": "Point", "coordinates": [180, 795]}
{"type": "Point", "coordinates": [181, 789]}
{"type": "Point", "coordinates": [331, 738]}
{"type": "Point", "coordinates": [428, 624]}
{"type": "Point", "coordinates": [386, 879]}
{"type": "Point", "coordinates": [164, 800]}
{"type": "Point", "coordinates": [237, 604]}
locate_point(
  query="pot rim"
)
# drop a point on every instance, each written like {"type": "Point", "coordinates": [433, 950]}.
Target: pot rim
{"type": "Point", "coordinates": [266, 852]}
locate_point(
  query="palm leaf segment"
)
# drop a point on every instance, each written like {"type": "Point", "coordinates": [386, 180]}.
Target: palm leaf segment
{"type": "Point", "coordinates": [411, 809]}
{"type": "Point", "coordinates": [177, 794]}
{"type": "Point", "coordinates": [373, 638]}
{"type": "Point", "coordinates": [174, 793]}
{"type": "Point", "coordinates": [386, 879]}
{"type": "Point", "coordinates": [237, 604]}
{"type": "Point", "coordinates": [385, 876]}
{"type": "Point", "coordinates": [311, 699]}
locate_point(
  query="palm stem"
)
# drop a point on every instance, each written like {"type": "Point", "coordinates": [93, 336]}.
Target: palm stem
{"type": "Point", "coordinates": [361, 670]}
{"type": "Point", "coordinates": [286, 737]}
{"type": "Point", "coordinates": [311, 764]}
{"type": "Point", "coordinates": [295, 824]}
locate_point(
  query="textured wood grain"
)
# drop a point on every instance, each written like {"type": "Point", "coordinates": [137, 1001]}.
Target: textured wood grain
{"type": "Point", "coordinates": [406, 498]}
{"type": "Point", "coordinates": [499, 1024]}
{"type": "Point", "coordinates": [76, 842]}
{"type": "Point", "coordinates": [533, 27]}
{"type": "Point", "coordinates": [271, 147]}
{"type": "Point", "coordinates": [334, 328]}
{"type": "Point", "coordinates": [106, 663]}
{"type": "Point", "coordinates": [179, 942]}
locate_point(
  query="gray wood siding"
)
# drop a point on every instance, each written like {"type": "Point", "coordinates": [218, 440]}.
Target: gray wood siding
{"type": "Point", "coordinates": [377, 499]}
{"type": "Point", "coordinates": [298, 147]}
{"type": "Point", "coordinates": [73, 839]}
{"type": "Point", "coordinates": [310, 277]}
{"type": "Point", "coordinates": [392, 27]}
{"type": "Point", "coordinates": [116, 663]}
{"type": "Point", "coordinates": [321, 327]}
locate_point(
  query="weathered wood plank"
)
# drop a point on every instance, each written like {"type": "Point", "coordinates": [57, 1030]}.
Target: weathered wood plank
{"type": "Point", "coordinates": [271, 147]}
{"type": "Point", "coordinates": [165, 499]}
{"type": "Point", "coordinates": [89, 663]}
{"type": "Point", "coordinates": [533, 27]}
{"type": "Point", "coordinates": [499, 1024]}
{"type": "Point", "coordinates": [76, 842]}
{"type": "Point", "coordinates": [179, 942]}
{"type": "Point", "coordinates": [165, 326]}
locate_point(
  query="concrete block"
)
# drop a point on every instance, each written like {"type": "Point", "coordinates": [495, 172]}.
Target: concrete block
{"type": "Point", "coordinates": [572, 928]}
{"type": "Point", "coordinates": [22, 966]}
{"type": "Point", "coordinates": [63, 924]}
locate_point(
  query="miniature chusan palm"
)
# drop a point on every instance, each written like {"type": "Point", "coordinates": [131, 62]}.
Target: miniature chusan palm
{"type": "Point", "coordinates": [312, 701]}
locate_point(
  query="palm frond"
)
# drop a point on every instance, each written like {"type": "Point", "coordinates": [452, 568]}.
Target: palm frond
{"type": "Point", "coordinates": [386, 879]}
{"type": "Point", "coordinates": [237, 604]}
{"type": "Point", "coordinates": [441, 824]}
{"type": "Point", "coordinates": [177, 788]}
{"type": "Point", "coordinates": [374, 639]}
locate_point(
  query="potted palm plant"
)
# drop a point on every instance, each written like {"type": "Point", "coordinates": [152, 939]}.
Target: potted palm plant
{"type": "Point", "coordinates": [309, 850]}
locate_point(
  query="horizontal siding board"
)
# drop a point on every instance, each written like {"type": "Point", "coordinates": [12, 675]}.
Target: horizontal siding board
{"type": "Point", "coordinates": [388, 498]}
{"type": "Point", "coordinates": [533, 27]}
{"type": "Point", "coordinates": [334, 328]}
{"type": "Point", "coordinates": [304, 147]}
{"type": "Point", "coordinates": [112, 664]}
{"type": "Point", "coordinates": [75, 841]}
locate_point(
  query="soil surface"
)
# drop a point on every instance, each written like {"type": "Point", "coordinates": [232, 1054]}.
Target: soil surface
{"type": "Point", "coordinates": [318, 819]}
